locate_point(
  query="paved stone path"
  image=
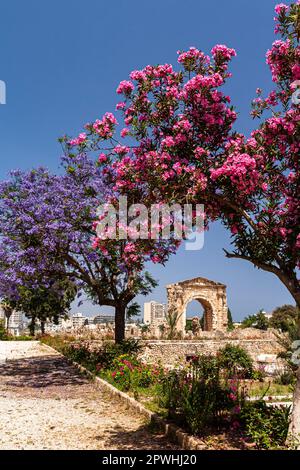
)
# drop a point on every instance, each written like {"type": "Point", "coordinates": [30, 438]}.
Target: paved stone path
{"type": "Point", "coordinates": [46, 404]}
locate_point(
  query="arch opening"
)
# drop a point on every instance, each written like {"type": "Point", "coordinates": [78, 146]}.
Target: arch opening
{"type": "Point", "coordinates": [202, 312]}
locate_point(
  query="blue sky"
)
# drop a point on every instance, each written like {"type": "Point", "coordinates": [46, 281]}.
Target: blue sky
{"type": "Point", "coordinates": [62, 62]}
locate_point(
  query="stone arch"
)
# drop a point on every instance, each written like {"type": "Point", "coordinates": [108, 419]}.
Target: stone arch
{"type": "Point", "coordinates": [211, 295]}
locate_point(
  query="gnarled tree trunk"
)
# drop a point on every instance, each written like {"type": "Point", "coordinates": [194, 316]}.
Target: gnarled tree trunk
{"type": "Point", "coordinates": [294, 429]}
{"type": "Point", "coordinates": [31, 327]}
{"type": "Point", "coordinates": [120, 312]}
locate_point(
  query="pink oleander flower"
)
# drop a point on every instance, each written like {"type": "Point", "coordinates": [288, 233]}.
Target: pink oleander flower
{"type": "Point", "coordinates": [296, 71]}
{"type": "Point", "coordinates": [124, 132]}
{"type": "Point", "coordinates": [102, 158]}
{"type": "Point", "coordinates": [220, 50]}
{"type": "Point", "coordinates": [121, 149]}
{"type": "Point", "coordinates": [168, 142]}
{"type": "Point", "coordinates": [138, 75]}
{"type": "Point", "coordinates": [281, 7]}
{"type": "Point", "coordinates": [125, 87]}
{"type": "Point", "coordinates": [120, 106]}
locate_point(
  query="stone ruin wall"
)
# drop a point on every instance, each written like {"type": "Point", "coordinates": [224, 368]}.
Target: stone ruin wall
{"type": "Point", "coordinates": [263, 347]}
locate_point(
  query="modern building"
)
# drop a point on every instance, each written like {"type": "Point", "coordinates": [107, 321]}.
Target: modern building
{"type": "Point", "coordinates": [104, 318]}
{"type": "Point", "coordinates": [154, 312]}
{"type": "Point", "coordinates": [79, 320]}
{"type": "Point", "coordinates": [16, 321]}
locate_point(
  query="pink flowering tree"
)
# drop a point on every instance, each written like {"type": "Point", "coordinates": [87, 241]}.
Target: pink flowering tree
{"type": "Point", "coordinates": [185, 150]}
{"type": "Point", "coordinates": [179, 146]}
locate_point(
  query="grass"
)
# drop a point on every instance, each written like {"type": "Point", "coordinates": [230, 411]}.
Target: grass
{"type": "Point", "coordinates": [257, 389]}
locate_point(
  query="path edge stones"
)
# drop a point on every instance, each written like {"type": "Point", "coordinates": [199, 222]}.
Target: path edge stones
{"type": "Point", "coordinates": [173, 432]}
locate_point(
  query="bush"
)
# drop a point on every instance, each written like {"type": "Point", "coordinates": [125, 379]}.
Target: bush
{"type": "Point", "coordinates": [110, 351]}
{"type": "Point", "coordinates": [198, 396]}
{"type": "Point", "coordinates": [129, 373]}
{"type": "Point", "coordinates": [266, 426]}
{"type": "Point", "coordinates": [3, 333]}
{"type": "Point", "coordinates": [286, 378]}
{"type": "Point", "coordinates": [236, 361]}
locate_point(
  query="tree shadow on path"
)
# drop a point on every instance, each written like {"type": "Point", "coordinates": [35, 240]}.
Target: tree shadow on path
{"type": "Point", "coordinates": [40, 372]}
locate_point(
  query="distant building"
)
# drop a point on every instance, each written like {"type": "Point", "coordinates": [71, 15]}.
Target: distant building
{"type": "Point", "coordinates": [78, 320]}
{"type": "Point", "coordinates": [104, 318]}
{"type": "Point", "coordinates": [154, 312]}
{"type": "Point", "coordinates": [16, 321]}
{"type": "Point", "coordinates": [2, 316]}
{"type": "Point", "coordinates": [267, 315]}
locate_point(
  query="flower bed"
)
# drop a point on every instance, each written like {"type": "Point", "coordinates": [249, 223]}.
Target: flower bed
{"type": "Point", "coordinates": [207, 396]}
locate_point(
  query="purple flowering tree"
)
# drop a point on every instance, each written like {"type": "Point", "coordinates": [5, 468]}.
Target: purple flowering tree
{"type": "Point", "coordinates": [47, 235]}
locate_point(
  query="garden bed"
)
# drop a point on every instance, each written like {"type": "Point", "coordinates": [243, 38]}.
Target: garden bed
{"type": "Point", "coordinates": [203, 398]}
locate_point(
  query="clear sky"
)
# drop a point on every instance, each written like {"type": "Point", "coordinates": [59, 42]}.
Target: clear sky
{"type": "Point", "coordinates": [62, 61]}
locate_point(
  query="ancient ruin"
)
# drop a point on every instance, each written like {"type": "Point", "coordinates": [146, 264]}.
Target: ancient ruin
{"type": "Point", "coordinates": [211, 295]}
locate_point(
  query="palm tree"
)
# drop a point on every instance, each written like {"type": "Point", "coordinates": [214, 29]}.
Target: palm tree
{"type": "Point", "coordinates": [172, 318]}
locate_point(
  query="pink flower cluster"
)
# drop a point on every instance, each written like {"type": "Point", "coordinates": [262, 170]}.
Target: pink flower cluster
{"type": "Point", "coordinates": [196, 83]}
{"type": "Point", "coordinates": [78, 140]}
{"type": "Point", "coordinates": [241, 169]}
{"type": "Point", "coordinates": [125, 87]}
{"type": "Point", "coordinates": [105, 127]}
{"type": "Point", "coordinates": [278, 60]}
{"type": "Point", "coordinates": [220, 51]}
{"type": "Point", "coordinates": [190, 57]}
{"type": "Point", "coordinates": [281, 7]}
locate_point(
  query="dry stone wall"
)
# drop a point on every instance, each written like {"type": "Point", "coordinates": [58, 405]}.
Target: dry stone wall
{"type": "Point", "coordinates": [263, 347]}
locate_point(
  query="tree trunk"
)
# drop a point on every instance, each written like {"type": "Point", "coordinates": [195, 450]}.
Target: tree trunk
{"type": "Point", "coordinates": [31, 327]}
{"type": "Point", "coordinates": [120, 312]}
{"type": "Point", "coordinates": [7, 316]}
{"type": "Point", "coordinates": [43, 327]}
{"type": "Point", "coordinates": [294, 428]}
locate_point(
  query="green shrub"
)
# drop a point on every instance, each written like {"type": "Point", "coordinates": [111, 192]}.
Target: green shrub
{"type": "Point", "coordinates": [286, 378]}
{"type": "Point", "coordinates": [129, 373]}
{"type": "Point", "coordinates": [3, 333]}
{"type": "Point", "coordinates": [198, 396]}
{"type": "Point", "coordinates": [267, 426]}
{"type": "Point", "coordinates": [236, 361]}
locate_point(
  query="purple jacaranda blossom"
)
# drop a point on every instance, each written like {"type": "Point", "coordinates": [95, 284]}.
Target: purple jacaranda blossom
{"type": "Point", "coordinates": [46, 233]}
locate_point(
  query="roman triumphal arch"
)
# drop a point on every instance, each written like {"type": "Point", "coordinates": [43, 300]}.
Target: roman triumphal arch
{"type": "Point", "coordinates": [211, 295]}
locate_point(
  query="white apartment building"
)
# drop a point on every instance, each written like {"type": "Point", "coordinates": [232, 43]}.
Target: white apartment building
{"type": "Point", "coordinates": [154, 312]}
{"type": "Point", "coordinates": [16, 321]}
{"type": "Point", "coordinates": [78, 320]}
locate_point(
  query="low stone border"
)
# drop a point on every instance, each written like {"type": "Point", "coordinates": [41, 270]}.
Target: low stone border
{"type": "Point", "coordinates": [173, 432]}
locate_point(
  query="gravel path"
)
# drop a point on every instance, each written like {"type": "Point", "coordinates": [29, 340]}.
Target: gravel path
{"type": "Point", "coordinates": [46, 404]}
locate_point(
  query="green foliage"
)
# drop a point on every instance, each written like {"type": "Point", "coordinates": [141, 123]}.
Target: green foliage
{"type": "Point", "coordinates": [172, 318]}
{"type": "Point", "coordinates": [127, 373]}
{"type": "Point", "coordinates": [286, 319]}
{"type": "Point", "coordinates": [145, 328]}
{"type": "Point", "coordinates": [286, 378]}
{"type": "Point", "coordinates": [3, 333]}
{"type": "Point", "coordinates": [230, 326]}
{"type": "Point", "coordinates": [236, 361]}
{"type": "Point", "coordinates": [258, 321]}
{"type": "Point", "coordinates": [133, 310]}
{"type": "Point", "coordinates": [103, 357]}
{"type": "Point", "coordinates": [197, 396]}
{"type": "Point", "coordinates": [46, 304]}
{"type": "Point", "coordinates": [267, 426]}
